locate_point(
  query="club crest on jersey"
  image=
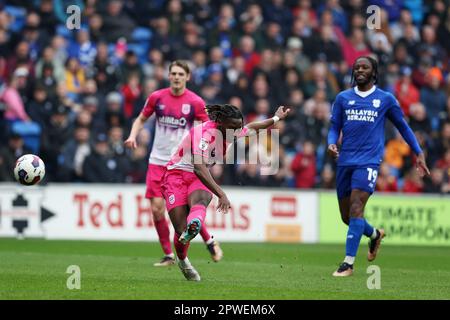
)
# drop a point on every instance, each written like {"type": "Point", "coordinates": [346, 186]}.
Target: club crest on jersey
{"type": "Point", "coordinates": [203, 145]}
{"type": "Point", "coordinates": [172, 199]}
{"type": "Point", "coordinates": [186, 108]}
{"type": "Point", "coordinates": [376, 103]}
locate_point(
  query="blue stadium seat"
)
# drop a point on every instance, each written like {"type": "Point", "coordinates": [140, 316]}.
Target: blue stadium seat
{"type": "Point", "coordinates": [141, 34]}
{"type": "Point", "coordinates": [30, 132]}
{"type": "Point", "coordinates": [140, 49]}
{"type": "Point", "coordinates": [63, 31]}
{"type": "Point", "coordinates": [19, 17]}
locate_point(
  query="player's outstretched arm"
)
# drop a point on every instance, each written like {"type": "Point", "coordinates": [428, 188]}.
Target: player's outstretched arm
{"type": "Point", "coordinates": [138, 124]}
{"type": "Point", "coordinates": [202, 172]}
{"type": "Point", "coordinates": [395, 114]}
{"type": "Point", "coordinates": [280, 114]}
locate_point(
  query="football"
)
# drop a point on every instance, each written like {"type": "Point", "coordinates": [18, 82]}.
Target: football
{"type": "Point", "coordinates": [29, 169]}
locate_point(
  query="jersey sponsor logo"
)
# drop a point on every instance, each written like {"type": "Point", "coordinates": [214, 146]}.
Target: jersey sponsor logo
{"type": "Point", "coordinates": [203, 145]}
{"type": "Point", "coordinates": [351, 102]}
{"type": "Point", "coordinates": [376, 103]}
{"type": "Point", "coordinates": [171, 121]}
{"type": "Point", "coordinates": [161, 107]}
{"type": "Point", "coordinates": [361, 115]}
{"type": "Point", "coordinates": [185, 108]}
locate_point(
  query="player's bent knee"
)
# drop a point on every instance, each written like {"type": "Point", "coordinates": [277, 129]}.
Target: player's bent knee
{"type": "Point", "coordinates": [356, 209]}
{"type": "Point", "coordinates": [158, 212]}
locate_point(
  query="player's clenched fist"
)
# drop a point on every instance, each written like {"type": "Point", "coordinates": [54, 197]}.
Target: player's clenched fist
{"type": "Point", "coordinates": [333, 151]}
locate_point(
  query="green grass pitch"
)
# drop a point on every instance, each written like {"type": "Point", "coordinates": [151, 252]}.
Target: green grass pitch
{"type": "Point", "coordinates": [36, 269]}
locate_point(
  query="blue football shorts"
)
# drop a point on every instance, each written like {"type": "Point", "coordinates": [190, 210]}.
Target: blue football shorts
{"type": "Point", "coordinates": [363, 178]}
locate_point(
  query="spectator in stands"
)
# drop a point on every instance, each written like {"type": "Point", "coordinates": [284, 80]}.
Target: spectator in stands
{"type": "Point", "coordinates": [59, 45]}
{"type": "Point", "coordinates": [430, 46]}
{"type": "Point", "coordinates": [95, 25]}
{"type": "Point", "coordinates": [248, 175]}
{"type": "Point", "coordinates": [275, 10]}
{"type": "Point", "coordinates": [320, 79]}
{"type": "Point", "coordinates": [398, 28]}
{"type": "Point", "coordinates": [116, 22]}
{"type": "Point", "coordinates": [138, 165]}
{"type": "Point", "coordinates": [405, 91]}
{"type": "Point", "coordinates": [130, 65]}
{"type": "Point", "coordinates": [444, 162]}
{"type": "Point", "coordinates": [36, 38]}
{"type": "Point", "coordinates": [222, 35]}
{"type": "Point", "coordinates": [162, 39]}
{"type": "Point", "coordinates": [326, 47]}
{"type": "Point", "coordinates": [295, 47]}
{"type": "Point", "coordinates": [48, 59]}
{"type": "Point", "coordinates": [101, 165]}
{"type": "Point", "coordinates": [56, 134]}
{"type": "Point", "coordinates": [402, 57]}
{"type": "Point", "coordinates": [412, 182]}
{"type": "Point", "coordinates": [418, 120]}
{"type": "Point", "coordinates": [104, 71]}
{"type": "Point", "coordinates": [48, 18]}
{"type": "Point", "coordinates": [433, 97]}
{"type": "Point", "coordinates": [9, 153]}
{"type": "Point", "coordinates": [73, 154]}
{"type": "Point", "coordinates": [131, 91]}
{"type": "Point", "coordinates": [304, 167]}
{"type": "Point", "coordinates": [354, 47]}
{"type": "Point", "coordinates": [41, 107]}
{"type": "Point", "coordinates": [74, 78]}
{"type": "Point", "coordinates": [386, 182]}
{"type": "Point", "coordinates": [304, 11]}
{"type": "Point", "coordinates": [435, 182]}
{"type": "Point", "coordinates": [327, 178]}
{"type": "Point", "coordinates": [247, 51]}
{"type": "Point", "coordinates": [83, 48]}
{"type": "Point", "coordinates": [14, 107]}
{"type": "Point", "coordinates": [114, 114]}
{"type": "Point", "coordinates": [115, 139]}
{"type": "Point", "coordinates": [395, 152]}
{"type": "Point", "coordinates": [20, 58]}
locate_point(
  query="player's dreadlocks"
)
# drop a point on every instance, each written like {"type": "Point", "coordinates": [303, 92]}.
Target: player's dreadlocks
{"type": "Point", "coordinates": [223, 111]}
{"type": "Point", "coordinates": [374, 64]}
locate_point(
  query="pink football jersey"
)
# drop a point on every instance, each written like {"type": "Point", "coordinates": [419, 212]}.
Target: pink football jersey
{"type": "Point", "coordinates": [175, 116]}
{"type": "Point", "coordinates": [206, 141]}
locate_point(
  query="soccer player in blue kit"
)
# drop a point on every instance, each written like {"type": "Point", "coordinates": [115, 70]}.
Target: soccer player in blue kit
{"type": "Point", "coordinates": [360, 113]}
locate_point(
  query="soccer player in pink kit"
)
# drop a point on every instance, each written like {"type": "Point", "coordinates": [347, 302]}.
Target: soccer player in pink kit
{"type": "Point", "coordinates": [188, 184]}
{"type": "Point", "coordinates": [176, 109]}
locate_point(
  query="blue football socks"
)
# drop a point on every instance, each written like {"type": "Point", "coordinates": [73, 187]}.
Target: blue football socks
{"type": "Point", "coordinates": [368, 229]}
{"type": "Point", "coordinates": [356, 229]}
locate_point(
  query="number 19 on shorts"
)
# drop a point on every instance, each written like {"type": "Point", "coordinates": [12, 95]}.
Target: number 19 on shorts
{"type": "Point", "coordinates": [372, 176]}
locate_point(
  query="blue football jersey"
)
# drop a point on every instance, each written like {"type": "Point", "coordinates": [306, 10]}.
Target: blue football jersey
{"type": "Point", "coordinates": [361, 120]}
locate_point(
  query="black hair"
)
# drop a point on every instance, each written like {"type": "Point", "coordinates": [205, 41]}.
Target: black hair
{"type": "Point", "coordinates": [374, 64]}
{"type": "Point", "coordinates": [221, 112]}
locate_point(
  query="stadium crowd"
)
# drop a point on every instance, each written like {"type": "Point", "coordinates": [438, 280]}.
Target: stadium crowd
{"type": "Point", "coordinates": [70, 96]}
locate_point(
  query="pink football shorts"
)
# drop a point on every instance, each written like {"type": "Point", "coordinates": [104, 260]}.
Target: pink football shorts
{"type": "Point", "coordinates": [178, 185]}
{"type": "Point", "coordinates": [154, 180]}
